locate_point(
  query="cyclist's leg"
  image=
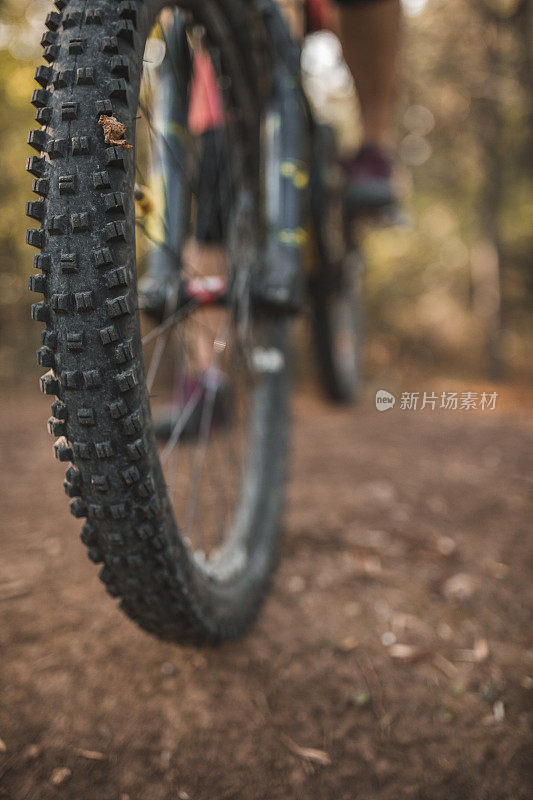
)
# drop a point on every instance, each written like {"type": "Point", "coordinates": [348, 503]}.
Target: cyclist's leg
{"type": "Point", "coordinates": [369, 31]}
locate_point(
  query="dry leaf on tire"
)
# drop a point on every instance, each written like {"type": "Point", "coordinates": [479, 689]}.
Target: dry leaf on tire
{"type": "Point", "coordinates": [114, 131]}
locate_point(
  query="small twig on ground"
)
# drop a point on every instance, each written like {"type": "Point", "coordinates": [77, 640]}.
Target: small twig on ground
{"type": "Point", "coordinates": [376, 690]}
{"type": "Point", "coordinates": [449, 669]}
{"type": "Point", "coordinates": [93, 755]}
{"type": "Point", "coordinates": [306, 753]}
{"type": "Point", "coordinates": [479, 653]}
{"type": "Point", "coordinates": [309, 755]}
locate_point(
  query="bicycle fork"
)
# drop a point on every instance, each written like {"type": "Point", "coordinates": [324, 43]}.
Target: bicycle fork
{"type": "Point", "coordinates": [280, 283]}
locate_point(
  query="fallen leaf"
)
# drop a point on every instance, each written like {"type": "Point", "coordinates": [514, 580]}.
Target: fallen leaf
{"type": "Point", "coordinates": [407, 653]}
{"type": "Point", "coordinates": [368, 564]}
{"type": "Point", "coordinates": [306, 753]}
{"type": "Point", "coordinates": [347, 644]}
{"type": "Point", "coordinates": [445, 545]}
{"type": "Point", "coordinates": [459, 586]}
{"type": "Point", "coordinates": [60, 775]}
{"type": "Point", "coordinates": [498, 569]}
{"type": "Point", "coordinates": [445, 631]}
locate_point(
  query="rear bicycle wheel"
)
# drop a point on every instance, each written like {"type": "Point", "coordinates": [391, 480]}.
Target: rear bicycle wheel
{"type": "Point", "coordinates": [336, 285]}
{"type": "Point", "coordinates": [187, 532]}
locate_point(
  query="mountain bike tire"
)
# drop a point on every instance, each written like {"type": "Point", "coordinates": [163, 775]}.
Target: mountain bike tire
{"type": "Point", "coordinates": [91, 345]}
{"type": "Point", "coordinates": [335, 286]}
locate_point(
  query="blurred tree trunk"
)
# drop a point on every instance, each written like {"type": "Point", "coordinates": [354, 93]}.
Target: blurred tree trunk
{"type": "Point", "coordinates": [488, 255]}
{"type": "Point", "coordinates": [523, 23]}
{"type": "Point", "coordinates": [489, 259]}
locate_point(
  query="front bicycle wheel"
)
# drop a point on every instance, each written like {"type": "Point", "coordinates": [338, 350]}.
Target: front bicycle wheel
{"type": "Point", "coordinates": [187, 530]}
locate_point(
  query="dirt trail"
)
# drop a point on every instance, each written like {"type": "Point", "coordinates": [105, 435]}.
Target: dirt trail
{"type": "Point", "coordinates": [394, 639]}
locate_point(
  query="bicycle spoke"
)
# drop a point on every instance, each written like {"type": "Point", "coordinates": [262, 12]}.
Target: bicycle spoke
{"type": "Point", "coordinates": [180, 424]}
{"type": "Point", "coordinates": [155, 361]}
{"type": "Point", "coordinates": [169, 322]}
{"type": "Point", "coordinates": [156, 242]}
{"type": "Point", "coordinates": [205, 427]}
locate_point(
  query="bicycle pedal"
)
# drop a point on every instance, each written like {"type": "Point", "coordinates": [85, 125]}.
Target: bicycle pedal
{"type": "Point", "coordinates": [387, 216]}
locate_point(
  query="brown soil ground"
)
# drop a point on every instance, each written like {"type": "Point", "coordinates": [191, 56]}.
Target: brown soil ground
{"type": "Point", "coordinates": [393, 643]}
